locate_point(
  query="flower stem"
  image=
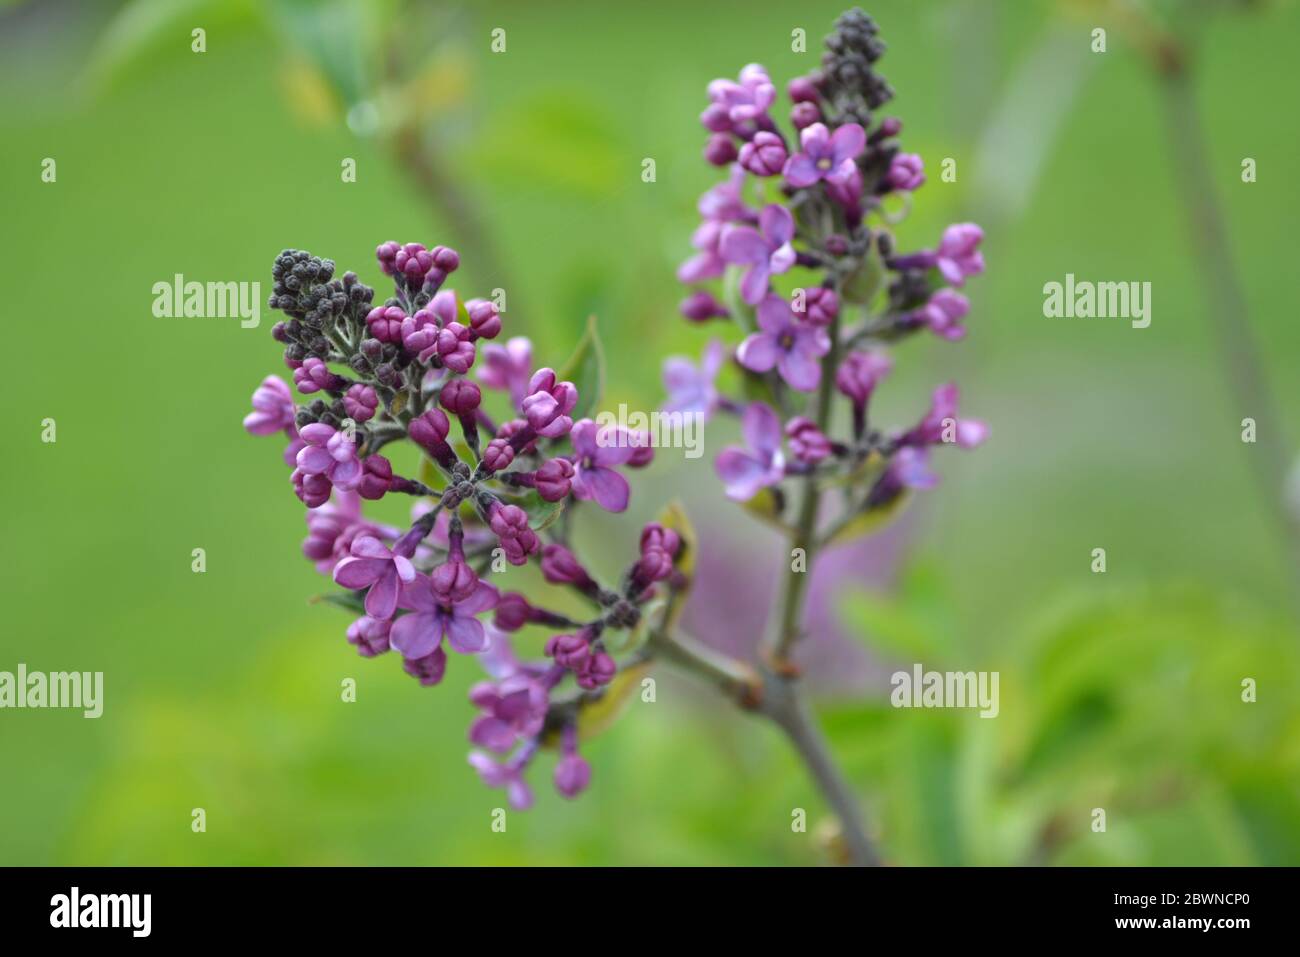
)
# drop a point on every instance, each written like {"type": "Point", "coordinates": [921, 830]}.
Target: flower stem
{"type": "Point", "coordinates": [776, 697]}
{"type": "Point", "coordinates": [785, 622]}
{"type": "Point", "coordinates": [786, 707]}
{"type": "Point", "coordinates": [1243, 364]}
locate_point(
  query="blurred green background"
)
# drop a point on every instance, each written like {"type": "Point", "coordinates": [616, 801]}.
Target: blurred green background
{"type": "Point", "coordinates": [1120, 691]}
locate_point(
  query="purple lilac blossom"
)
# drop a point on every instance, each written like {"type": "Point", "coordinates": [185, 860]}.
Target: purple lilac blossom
{"type": "Point", "coordinates": [766, 251]}
{"type": "Point", "coordinates": [508, 368]}
{"type": "Point", "coordinates": [758, 465]}
{"type": "Point", "coordinates": [431, 619]}
{"type": "Point", "coordinates": [372, 566]}
{"type": "Point", "coordinates": [691, 389]}
{"type": "Point", "coordinates": [783, 342]}
{"type": "Point", "coordinates": [273, 409]}
{"type": "Point", "coordinates": [598, 450]}
{"type": "Point", "coordinates": [906, 172]}
{"type": "Point", "coordinates": [825, 155]}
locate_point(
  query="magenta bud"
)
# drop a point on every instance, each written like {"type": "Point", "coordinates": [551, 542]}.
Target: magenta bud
{"type": "Point", "coordinates": [484, 318]}
{"type": "Point", "coordinates": [716, 118]}
{"type": "Point", "coordinates": [460, 397]}
{"type": "Point", "coordinates": [859, 372]}
{"type": "Point", "coordinates": [572, 775]}
{"type": "Point", "coordinates": [655, 535]}
{"type": "Point", "coordinates": [764, 155]}
{"type": "Point", "coordinates": [376, 477]}
{"type": "Point", "coordinates": [386, 253]}
{"type": "Point", "coordinates": [498, 455]}
{"type": "Point", "coordinates": [807, 442]}
{"type": "Point", "coordinates": [569, 651]}
{"type": "Point", "coordinates": [701, 306]}
{"type": "Point", "coordinates": [596, 670]}
{"type": "Point", "coordinates": [518, 540]}
{"type": "Point", "coordinates": [821, 306]}
{"type": "Point", "coordinates": [642, 455]}
{"type": "Point", "coordinates": [369, 635]}
{"type": "Point", "coordinates": [453, 581]}
{"type": "Point", "coordinates": [429, 669]}
{"type": "Point", "coordinates": [313, 488]}
{"type": "Point", "coordinates": [554, 479]}
{"type": "Point", "coordinates": [385, 323]}
{"type": "Point", "coordinates": [720, 149]}
{"type": "Point", "coordinates": [446, 258]}
{"type": "Point", "coordinates": [429, 431]}
{"type": "Point", "coordinates": [561, 567]}
{"type": "Point", "coordinates": [804, 115]}
{"type": "Point", "coordinates": [360, 402]}
{"type": "Point", "coordinates": [802, 90]}
{"type": "Point", "coordinates": [455, 348]}
{"type": "Point", "coordinates": [512, 612]}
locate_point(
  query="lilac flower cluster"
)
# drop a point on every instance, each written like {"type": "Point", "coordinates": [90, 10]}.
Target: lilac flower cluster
{"type": "Point", "coordinates": [487, 496]}
{"type": "Point", "coordinates": [812, 210]}
{"type": "Point", "coordinates": [796, 248]}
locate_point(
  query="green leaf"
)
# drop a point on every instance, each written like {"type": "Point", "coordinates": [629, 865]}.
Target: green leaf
{"type": "Point", "coordinates": [328, 35]}
{"type": "Point", "coordinates": [353, 601]}
{"type": "Point", "coordinates": [766, 506]}
{"type": "Point", "coordinates": [586, 370]}
{"type": "Point", "coordinates": [868, 521]}
{"type": "Point", "coordinates": [890, 626]}
{"type": "Point", "coordinates": [431, 475]}
{"type": "Point", "coordinates": [138, 28]}
{"type": "Point", "coordinates": [541, 513]}
{"type": "Point", "coordinates": [598, 714]}
{"type": "Point", "coordinates": [862, 286]}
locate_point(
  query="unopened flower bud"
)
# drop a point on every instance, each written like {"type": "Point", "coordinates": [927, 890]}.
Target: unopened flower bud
{"type": "Point", "coordinates": [807, 442]}
{"type": "Point", "coordinates": [554, 479]}
{"type": "Point", "coordinates": [804, 115]}
{"type": "Point", "coordinates": [720, 149]}
{"type": "Point", "coordinates": [701, 306]}
{"type": "Point", "coordinates": [360, 402]}
{"type": "Point", "coordinates": [569, 651]}
{"type": "Point", "coordinates": [453, 581]}
{"type": "Point", "coordinates": [460, 397]}
{"type": "Point", "coordinates": [572, 775]}
{"type": "Point", "coordinates": [498, 455]}
{"type": "Point", "coordinates": [764, 155]}
{"type": "Point", "coordinates": [512, 612]}
{"type": "Point", "coordinates": [484, 318]}
{"type": "Point", "coordinates": [561, 567]}
{"type": "Point", "coordinates": [598, 669]}
{"type": "Point", "coordinates": [376, 477]}
{"type": "Point", "coordinates": [802, 90]}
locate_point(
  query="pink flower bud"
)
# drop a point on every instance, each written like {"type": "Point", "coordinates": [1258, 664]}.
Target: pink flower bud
{"type": "Point", "coordinates": [498, 455]}
{"type": "Point", "coordinates": [554, 479]}
{"type": "Point", "coordinates": [360, 402]}
{"type": "Point", "coordinates": [429, 431]}
{"type": "Point", "coordinates": [453, 581]}
{"type": "Point", "coordinates": [561, 567]}
{"type": "Point", "coordinates": [376, 477]}
{"type": "Point", "coordinates": [572, 775]}
{"type": "Point", "coordinates": [484, 318]}
{"type": "Point", "coordinates": [597, 670]}
{"type": "Point", "coordinates": [569, 651]}
{"type": "Point", "coordinates": [512, 612]}
{"type": "Point", "coordinates": [460, 397]}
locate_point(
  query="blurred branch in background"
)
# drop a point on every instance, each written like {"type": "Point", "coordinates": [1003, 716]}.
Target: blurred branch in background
{"type": "Point", "coordinates": [386, 69]}
{"type": "Point", "coordinates": [1024, 125]}
{"type": "Point", "coordinates": [1170, 57]}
